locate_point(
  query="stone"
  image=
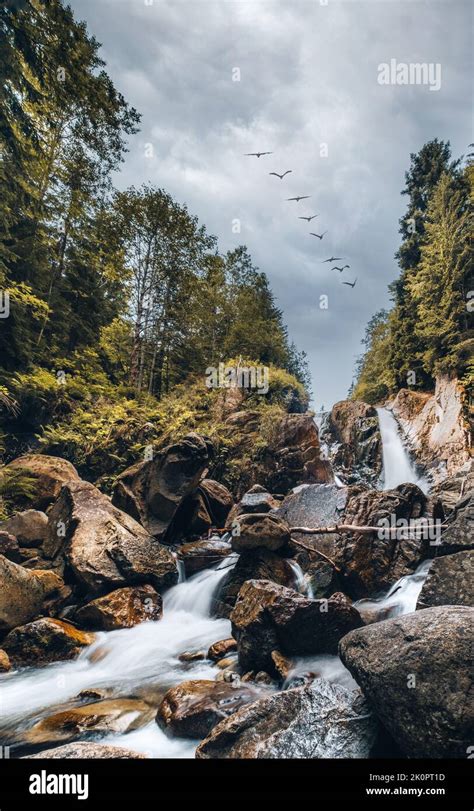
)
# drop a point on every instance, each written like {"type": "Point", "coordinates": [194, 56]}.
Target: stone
{"type": "Point", "coordinates": [259, 564]}
{"type": "Point", "coordinates": [5, 664]}
{"type": "Point", "coordinates": [416, 671]}
{"type": "Point", "coordinates": [81, 750]}
{"type": "Point", "coordinates": [193, 708]}
{"type": "Point", "coordinates": [104, 547]}
{"type": "Point", "coordinates": [9, 547]}
{"type": "Point", "coordinates": [122, 608]}
{"type": "Point", "coordinates": [44, 641]}
{"type": "Point", "coordinates": [199, 555]}
{"type": "Point", "coordinates": [352, 433]}
{"type": "Point", "coordinates": [260, 531]}
{"type": "Point", "coordinates": [49, 472]}
{"type": "Point", "coordinates": [296, 454]}
{"type": "Point", "coordinates": [450, 581]}
{"type": "Point", "coordinates": [22, 593]}
{"type": "Point", "coordinates": [282, 665]}
{"type": "Point", "coordinates": [30, 527]}
{"type": "Point", "coordinates": [269, 617]}
{"type": "Point", "coordinates": [152, 491]}
{"type": "Point", "coordinates": [459, 534]}
{"type": "Point", "coordinates": [219, 650]}
{"type": "Point", "coordinates": [320, 720]}
{"type": "Point", "coordinates": [315, 505]}
{"type": "Point", "coordinates": [117, 715]}
{"type": "Point", "coordinates": [192, 656]}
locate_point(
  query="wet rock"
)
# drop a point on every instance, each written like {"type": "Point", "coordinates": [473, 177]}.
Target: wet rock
{"type": "Point", "coordinates": [218, 499]}
{"type": "Point", "coordinates": [320, 720]}
{"type": "Point", "coordinates": [30, 527]}
{"type": "Point", "coordinates": [193, 708]}
{"type": "Point", "coordinates": [296, 455]}
{"type": "Point", "coordinates": [416, 670]}
{"type": "Point", "coordinates": [119, 716]}
{"type": "Point", "coordinates": [103, 546]}
{"type": "Point", "coordinates": [260, 564]}
{"type": "Point", "coordinates": [5, 664]}
{"type": "Point", "coordinates": [459, 534]}
{"type": "Point", "coordinates": [269, 617]}
{"type": "Point", "coordinates": [152, 491]}
{"type": "Point", "coordinates": [260, 531]}
{"type": "Point", "coordinates": [9, 547]}
{"type": "Point", "coordinates": [352, 432]}
{"type": "Point", "coordinates": [90, 750]}
{"type": "Point", "coordinates": [122, 608]}
{"type": "Point", "coordinates": [22, 593]}
{"type": "Point", "coordinates": [450, 581]}
{"type": "Point", "coordinates": [256, 500]}
{"type": "Point", "coordinates": [373, 562]}
{"type": "Point", "coordinates": [49, 472]}
{"type": "Point", "coordinates": [446, 494]}
{"type": "Point", "coordinates": [282, 665]}
{"type": "Point", "coordinates": [44, 641]}
{"type": "Point", "coordinates": [221, 649]}
{"type": "Point", "coordinates": [315, 505]}
{"type": "Point", "coordinates": [201, 555]}
{"type": "Point", "coordinates": [192, 656]}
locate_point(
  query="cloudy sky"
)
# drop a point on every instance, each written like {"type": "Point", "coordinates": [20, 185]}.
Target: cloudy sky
{"type": "Point", "coordinates": [308, 92]}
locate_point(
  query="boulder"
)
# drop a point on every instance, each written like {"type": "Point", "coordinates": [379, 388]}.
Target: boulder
{"type": "Point", "coordinates": [260, 531]}
{"type": "Point", "coordinates": [200, 555]}
{"type": "Point", "coordinates": [122, 608]}
{"type": "Point", "coordinates": [104, 547]}
{"type": "Point", "coordinates": [44, 641]}
{"type": "Point", "coordinates": [296, 454]}
{"type": "Point", "coordinates": [218, 499]}
{"type": "Point", "coordinates": [49, 472]}
{"type": "Point", "coordinates": [152, 491]}
{"type": "Point", "coordinates": [416, 670]}
{"type": "Point", "coordinates": [117, 715]}
{"type": "Point", "coordinates": [221, 649]}
{"type": "Point", "coordinates": [22, 593]}
{"type": "Point", "coordinates": [5, 664]}
{"type": "Point", "coordinates": [446, 493]}
{"type": "Point", "coordinates": [352, 433]}
{"type": "Point", "coordinates": [315, 505]}
{"type": "Point", "coordinates": [193, 708]}
{"type": "Point", "coordinates": [255, 500]}
{"type": "Point", "coordinates": [9, 547]}
{"type": "Point", "coordinates": [80, 750]}
{"type": "Point", "coordinates": [30, 527]}
{"type": "Point", "coordinates": [320, 720]}
{"type": "Point", "coordinates": [459, 534]}
{"type": "Point", "coordinates": [373, 562]}
{"type": "Point", "coordinates": [450, 581]}
{"type": "Point", "coordinates": [269, 617]}
{"type": "Point", "coordinates": [207, 507]}
{"type": "Point", "coordinates": [260, 564]}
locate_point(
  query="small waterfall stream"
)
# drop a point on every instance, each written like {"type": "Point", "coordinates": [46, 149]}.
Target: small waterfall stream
{"type": "Point", "coordinates": [397, 466]}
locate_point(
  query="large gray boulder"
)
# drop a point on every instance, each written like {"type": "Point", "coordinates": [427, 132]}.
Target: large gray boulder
{"type": "Point", "coordinates": [260, 531]}
{"type": "Point", "coordinates": [450, 581]}
{"type": "Point", "coordinates": [22, 593]}
{"type": "Point", "coordinates": [320, 720]}
{"type": "Point", "coordinates": [416, 670]}
{"type": "Point", "coordinates": [104, 547]}
{"type": "Point", "coordinates": [152, 491]}
{"type": "Point", "coordinates": [29, 527]}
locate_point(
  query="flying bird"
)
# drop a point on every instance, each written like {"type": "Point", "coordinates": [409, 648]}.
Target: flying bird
{"type": "Point", "coordinates": [308, 219]}
{"type": "Point", "coordinates": [288, 171]}
{"type": "Point", "coordinates": [350, 284]}
{"type": "Point", "coordinates": [256, 154]}
{"type": "Point", "coordinates": [319, 236]}
{"type": "Point", "coordinates": [336, 267]}
{"type": "Point", "coordinates": [297, 199]}
{"type": "Point", "coordinates": [332, 259]}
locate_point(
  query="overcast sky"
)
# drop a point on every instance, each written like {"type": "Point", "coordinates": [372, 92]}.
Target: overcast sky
{"type": "Point", "coordinates": [308, 77]}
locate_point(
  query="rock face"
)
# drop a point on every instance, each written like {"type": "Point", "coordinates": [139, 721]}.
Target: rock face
{"type": "Point", "coordinates": [206, 507]}
{"type": "Point", "coordinates": [434, 426]}
{"type": "Point", "coordinates": [193, 708]}
{"type": "Point", "coordinates": [459, 534]}
{"type": "Point", "coordinates": [260, 531]}
{"type": "Point", "coordinates": [152, 491]}
{"type": "Point", "coordinates": [352, 433]}
{"type": "Point", "coordinates": [199, 555]}
{"type": "Point", "coordinates": [320, 720]}
{"type": "Point", "coordinates": [30, 527]}
{"type": "Point", "coordinates": [416, 670]}
{"type": "Point", "coordinates": [103, 546]}
{"type": "Point", "coordinates": [45, 641]}
{"type": "Point", "coordinates": [315, 505]}
{"type": "Point", "coordinates": [268, 617]}
{"type": "Point", "coordinates": [9, 547]}
{"type": "Point", "coordinates": [450, 581]}
{"type": "Point", "coordinates": [122, 608]}
{"type": "Point", "coordinates": [260, 564]}
{"type": "Point", "coordinates": [22, 593]}
{"type": "Point", "coordinates": [119, 715]}
{"type": "Point", "coordinates": [446, 494]}
{"type": "Point", "coordinates": [50, 474]}
{"type": "Point", "coordinates": [72, 751]}
{"type": "Point", "coordinates": [297, 455]}
{"type": "Point", "coordinates": [372, 563]}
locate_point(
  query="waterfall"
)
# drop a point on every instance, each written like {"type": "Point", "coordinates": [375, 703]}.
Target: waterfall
{"type": "Point", "coordinates": [397, 466]}
{"type": "Point", "coordinates": [401, 598]}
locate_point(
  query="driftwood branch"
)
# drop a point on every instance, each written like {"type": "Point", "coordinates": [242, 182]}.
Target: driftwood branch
{"type": "Point", "coordinates": [360, 529]}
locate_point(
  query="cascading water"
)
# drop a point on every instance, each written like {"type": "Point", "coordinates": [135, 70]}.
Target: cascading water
{"type": "Point", "coordinates": [401, 598]}
{"type": "Point", "coordinates": [397, 466]}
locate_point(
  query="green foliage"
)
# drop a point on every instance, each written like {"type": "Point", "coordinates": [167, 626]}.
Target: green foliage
{"type": "Point", "coordinates": [17, 489]}
{"type": "Point", "coordinates": [374, 381]}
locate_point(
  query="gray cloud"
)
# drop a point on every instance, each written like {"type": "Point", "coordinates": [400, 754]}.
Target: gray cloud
{"type": "Point", "coordinates": [308, 76]}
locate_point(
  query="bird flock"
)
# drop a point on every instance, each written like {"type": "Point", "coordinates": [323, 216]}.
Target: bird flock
{"type": "Point", "coordinates": [308, 219]}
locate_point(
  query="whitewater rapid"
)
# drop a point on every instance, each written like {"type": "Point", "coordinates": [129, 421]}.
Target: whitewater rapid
{"type": "Point", "coordinates": [397, 465]}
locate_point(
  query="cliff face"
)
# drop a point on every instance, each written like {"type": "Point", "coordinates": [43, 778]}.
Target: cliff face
{"type": "Point", "coordinates": [352, 434]}
{"type": "Point", "coordinates": [435, 427]}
